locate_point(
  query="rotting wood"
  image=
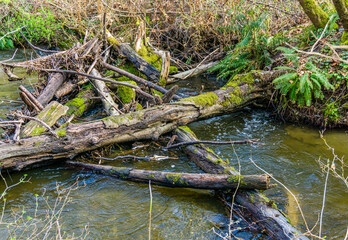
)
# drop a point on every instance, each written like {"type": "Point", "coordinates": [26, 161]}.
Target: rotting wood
{"type": "Point", "coordinates": [168, 96]}
{"type": "Point", "coordinates": [263, 211]}
{"type": "Point", "coordinates": [54, 82]}
{"type": "Point", "coordinates": [144, 124]}
{"type": "Point", "coordinates": [81, 103]}
{"type": "Point", "coordinates": [183, 180]}
{"type": "Point", "coordinates": [49, 115]}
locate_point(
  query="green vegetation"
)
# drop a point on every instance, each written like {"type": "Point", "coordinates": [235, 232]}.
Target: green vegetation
{"type": "Point", "coordinates": [253, 51]}
{"type": "Point", "coordinates": [303, 82]}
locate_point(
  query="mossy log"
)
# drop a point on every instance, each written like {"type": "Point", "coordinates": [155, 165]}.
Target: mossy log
{"type": "Point", "coordinates": [144, 124]}
{"type": "Point", "coordinates": [263, 211]}
{"type": "Point", "coordinates": [81, 103]}
{"type": "Point", "coordinates": [316, 14]}
{"type": "Point", "coordinates": [49, 115]}
{"type": "Point", "coordinates": [139, 63]}
{"type": "Point", "coordinates": [181, 180]}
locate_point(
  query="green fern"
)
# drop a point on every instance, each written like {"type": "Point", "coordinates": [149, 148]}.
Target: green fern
{"type": "Point", "coordinates": [302, 88]}
{"type": "Point", "coordinates": [253, 50]}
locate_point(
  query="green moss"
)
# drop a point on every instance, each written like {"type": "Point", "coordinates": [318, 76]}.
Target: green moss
{"type": "Point", "coordinates": [139, 107]}
{"type": "Point", "coordinates": [151, 176]}
{"type": "Point", "coordinates": [61, 133]}
{"type": "Point", "coordinates": [239, 79]}
{"type": "Point", "coordinates": [150, 57]}
{"type": "Point", "coordinates": [174, 178]}
{"type": "Point", "coordinates": [155, 92]}
{"type": "Point", "coordinates": [204, 100]}
{"type": "Point", "coordinates": [173, 69]}
{"type": "Point", "coordinates": [317, 15]}
{"type": "Point", "coordinates": [344, 39]}
{"type": "Point", "coordinates": [126, 94]}
{"type": "Point", "coordinates": [76, 106]}
{"type": "Point", "coordinates": [235, 179]}
{"type": "Point", "coordinates": [187, 129]}
{"type": "Point", "coordinates": [37, 131]}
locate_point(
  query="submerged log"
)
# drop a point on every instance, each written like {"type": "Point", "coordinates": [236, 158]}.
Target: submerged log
{"type": "Point", "coordinates": [144, 124]}
{"type": "Point", "coordinates": [183, 180]}
{"type": "Point", "coordinates": [262, 210]}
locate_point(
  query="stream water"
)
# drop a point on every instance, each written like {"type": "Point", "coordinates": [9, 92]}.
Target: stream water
{"type": "Point", "coordinates": [115, 209]}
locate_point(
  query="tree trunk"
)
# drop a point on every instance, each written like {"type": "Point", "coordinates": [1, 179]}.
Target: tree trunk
{"type": "Point", "coordinates": [261, 210]}
{"type": "Point", "coordinates": [315, 13]}
{"type": "Point", "coordinates": [144, 124]}
{"type": "Point", "coordinates": [342, 10]}
{"type": "Point", "coordinates": [183, 180]}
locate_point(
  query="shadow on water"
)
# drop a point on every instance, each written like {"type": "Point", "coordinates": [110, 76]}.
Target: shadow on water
{"type": "Point", "coordinates": [115, 209]}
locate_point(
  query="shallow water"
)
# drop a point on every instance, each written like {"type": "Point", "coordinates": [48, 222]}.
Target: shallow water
{"type": "Point", "coordinates": [115, 209]}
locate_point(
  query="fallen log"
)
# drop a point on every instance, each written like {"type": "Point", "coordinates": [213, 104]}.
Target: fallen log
{"type": "Point", "coordinates": [262, 210]}
{"type": "Point", "coordinates": [144, 124]}
{"type": "Point", "coordinates": [182, 180]}
{"type": "Point", "coordinates": [65, 89]}
{"type": "Point", "coordinates": [139, 63]}
{"type": "Point", "coordinates": [55, 80]}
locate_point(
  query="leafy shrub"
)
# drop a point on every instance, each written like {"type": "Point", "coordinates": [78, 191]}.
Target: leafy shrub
{"type": "Point", "coordinates": [303, 82]}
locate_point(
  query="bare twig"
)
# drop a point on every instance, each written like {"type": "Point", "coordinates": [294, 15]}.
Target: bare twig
{"type": "Point", "coordinates": [137, 158]}
{"type": "Point", "coordinates": [11, 32]}
{"type": "Point", "coordinates": [318, 54]}
{"type": "Point", "coordinates": [10, 59]}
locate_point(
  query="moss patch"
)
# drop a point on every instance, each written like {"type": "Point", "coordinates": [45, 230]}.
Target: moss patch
{"type": "Point", "coordinates": [204, 100]}
{"type": "Point", "coordinates": [126, 94]}
{"type": "Point", "coordinates": [187, 129]}
{"type": "Point", "coordinates": [76, 106]}
{"type": "Point", "coordinates": [344, 39]}
{"type": "Point", "coordinates": [175, 178]}
{"type": "Point", "coordinates": [61, 133]}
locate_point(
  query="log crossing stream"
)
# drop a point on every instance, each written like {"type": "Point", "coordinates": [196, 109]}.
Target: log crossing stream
{"type": "Point", "coordinates": [115, 209]}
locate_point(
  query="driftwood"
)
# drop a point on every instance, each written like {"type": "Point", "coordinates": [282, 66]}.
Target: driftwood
{"type": "Point", "coordinates": [192, 72]}
{"type": "Point", "coordinates": [54, 82]}
{"type": "Point", "coordinates": [183, 180]}
{"type": "Point", "coordinates": [144, 124]}
{"type": "Point", "coordinates": [11, 75]}
{"type": "Point", "coordinates": [263, 211]}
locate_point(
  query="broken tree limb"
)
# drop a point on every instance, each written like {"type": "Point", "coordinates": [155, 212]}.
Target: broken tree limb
{"type": "Point", "coordinates": [10, 74]}
{"type": "Point", "coordinates": [193, 72]}
{"type": "Point", "coordinates": [110, 106]}
{"type": "Point", "coordinates": [144, 124]}
{"type": "Point", "coordinates": [139, 63]}
{"type": "Point", "coordinates": [183, 180]}
{"type": "Point", "coordinates": [31, 97]}
{"type": "Point", "coordinates": [28, 102]}
{"type": "Point", "coordinates": [138, 79]}
{"type": "Point", "coordinates": [81, 103]}
{"type": "Point", "coordinates": [55, 80]}
{"type": "Point", "coordinates": [261, 209]}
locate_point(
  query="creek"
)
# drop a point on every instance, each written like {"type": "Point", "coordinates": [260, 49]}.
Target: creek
{"type": "Point", "coordinates": [116, 209]}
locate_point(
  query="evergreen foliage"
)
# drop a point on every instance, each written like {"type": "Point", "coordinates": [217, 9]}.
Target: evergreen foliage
{"type": "Point", "coordinates": [253, 50]}
{"type": "Point", "coordinates": [304, 82]}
